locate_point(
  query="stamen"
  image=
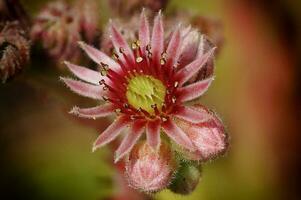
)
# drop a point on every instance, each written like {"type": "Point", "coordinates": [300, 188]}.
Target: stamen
{"type": "Point", "coordinates": [173, 99]}
{"type": "Point", "coordinates": [121, 50]}
{"type": "Point", "coordinates": [163, 118]}
{"type": "Point", "coordinates": [139, 59]}
{"type": "Point", "coordinates": [134, 46]}
{"type": "Point", "coordinates": [118, 110]}
{"type": "Point", "coordinates": [162, 61]}
{"type": "Point", "coordinates": [138, 43]}
{"type": "Point", "coordinates": [115, 55]}
{"type": "Point", "coordinates": [148, 47]}
{"type": "Point", "coordinates": [176, 84]}
{"type": "Point", "coordinates": [149, 55]}
{"type": "Point", "coordinates": [105, 98]}
{"type": "Point", "coordinates": [101, 82]}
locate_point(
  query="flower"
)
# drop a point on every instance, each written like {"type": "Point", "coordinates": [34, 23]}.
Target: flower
{"type": "Point", "coordinates": [143, 85]}
{"type": "Point", "coordinates": [14, 49]}
{"type": "Point", "coordinates": [150, 170]}
{"type": "Point", "coordinates": [59, 26]}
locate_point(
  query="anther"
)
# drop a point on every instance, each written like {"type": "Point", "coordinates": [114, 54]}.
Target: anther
{"type": "Point", "coordinates": [139, 59]}
{"type": "Point", "coordinates": [148, 47]}
{"type": "Point", "coordinates": [132, 117]}
{"type": "Point", "coordinates": [115, 56]}
{"type": "Point", "coordinates": [118, 110]}
{"type": "Point", "coordinates": [176, 84]}
{"type": "Point", "coordinates": [154, 106]}
{"type": "Point", "coordinates": [173, 99]}
{"type": "Point", "coordinates": [138, 43]}
{"type": "Point", "coordinates": [126, 105]}
{"type": "Point", "coordinates": [164, 119]}
{"type": "Point", "coordinates": [105, 88]}
{"type": "Point", "coordinates": [162, 61]}
{"type": "Point", "coordinates": [121, 50]}
{"type": "Point", "coordinates": [101, 82]}
{"type": "Point", "coordinates": [134, 46]}
{"type": "Point", "coordinates": [103, 72]}
{"type": "Point", "coordinates": [164, 55]}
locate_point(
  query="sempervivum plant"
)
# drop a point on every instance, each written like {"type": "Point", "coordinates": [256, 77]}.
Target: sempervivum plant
{"type": "Point", "coordinates": [146, 89]}
{"type": "Point", "coordinates": [60, 25]}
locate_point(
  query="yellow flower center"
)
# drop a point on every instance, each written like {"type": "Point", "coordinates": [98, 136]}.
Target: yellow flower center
{"type": "Point", "coordinates": [144, 92]}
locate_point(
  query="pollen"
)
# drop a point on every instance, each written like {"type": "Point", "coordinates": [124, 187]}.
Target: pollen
{"type": "Point", "coordinates": [144, 92]}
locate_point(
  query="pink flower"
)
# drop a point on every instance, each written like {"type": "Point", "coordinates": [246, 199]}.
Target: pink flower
{"type": "Point", "coordinates": [143, 86]}
{"type": "Point", "coordinates": [150, 170]}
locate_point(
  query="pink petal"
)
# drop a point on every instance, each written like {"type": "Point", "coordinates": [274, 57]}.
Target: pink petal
{"type": "Point", "coordinates": [98, 56]}
{"type": "Point", "coordinates": [153, 133]}
{"type": "Point", "coordinates": [130, 140]}
{"type": "Point", "coordinates": [173, 49]}
{"type": "Point", "coordinates": [111, 132]}
{"type": "Point", "coordinates": [191, 115]}
{"type": "Point", "coordinates": [157, 43]}
{"type": "Point", "coordinates": [144, 34]}
{"type": "Point", "coordinates": [95, 112]}
{"type": "Point", "coordinates": [176, 134]}
{"type": "Point", "coordinates": [84, 89]}
{"type": "Point", "coordinates": [120, 43]}
{"type": "Point", "coordinates": [194, 90]}
{"type": "Point", "coordinates": [187, 72]}
{"type": "Point", "coordinates": [84, 73]}
{"type": "Point", "coordinates": [189, 48]}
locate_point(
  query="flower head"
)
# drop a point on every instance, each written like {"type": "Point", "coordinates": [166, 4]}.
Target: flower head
{"type": "Point", "coordinates": [150, 170]}
{"type": "Point", "coordinates": [143, 85]}
{"type": "Point", "coordinates": [59, 26]}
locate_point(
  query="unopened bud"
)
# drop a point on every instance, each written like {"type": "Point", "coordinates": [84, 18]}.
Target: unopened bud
{"type": "Point", "coordinates": [209, 137]}
{"type": "Point", "coordinates": [186, 179]}
{"type": "Point", "coordinates": [150, 170]}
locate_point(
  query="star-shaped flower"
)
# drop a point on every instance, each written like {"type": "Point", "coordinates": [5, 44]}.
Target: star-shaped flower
{"type": "Point", "coordinates": [147, 90]}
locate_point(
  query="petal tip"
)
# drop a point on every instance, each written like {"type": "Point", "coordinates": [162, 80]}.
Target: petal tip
{"type": "Point", "coordinates": [94, 148]}
{"type": "Point", "coordinates": [74, 110]}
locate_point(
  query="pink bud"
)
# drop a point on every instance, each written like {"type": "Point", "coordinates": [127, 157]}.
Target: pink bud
{"type": "Point", "coordinates": [150, 170]}
{"type": "Point", "coordinates": [209, 137]}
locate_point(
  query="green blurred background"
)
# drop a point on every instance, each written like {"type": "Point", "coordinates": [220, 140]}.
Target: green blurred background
{"type": "Point", "coordinates": [46, 154]}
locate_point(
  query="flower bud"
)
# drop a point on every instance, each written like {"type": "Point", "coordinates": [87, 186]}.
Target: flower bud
{"type": "Point", "coordinates": [186, 179]}
{"type": "Point", "coordinates": [209, 137]}
{"type": "Point", "coordinates": [14, 49]}
{"type": "Point", "coordinates": [150, 170]}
